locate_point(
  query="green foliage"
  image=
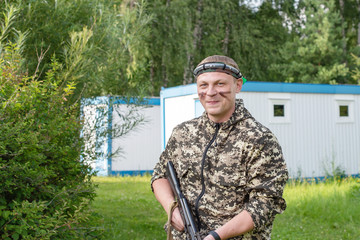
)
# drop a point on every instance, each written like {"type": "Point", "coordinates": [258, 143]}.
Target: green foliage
{"type": "Point", "coordinates": [120, 51]}
{"type": "Point", "coordinates": [136, 47]}
{"type": "Point", "coordinates": [46, 185]}
{"type": "Point", "coordinates": [257, 40]}
{"type": "Point", "coordinates": [351, 16]}
{"type": "Point", "coordinates": [271, 43]}
{"type": "Point", "coordinates": [170, 41]}
{"type": "Point", "coordinates": [185, 32]}
{"type": "Point", "coordinates": [318, 56]}
{"type": "Point", "coordinates": [49, 24]}
{"type": "Point", "coordinates": [115, 58]}
{"type": "Point", "coordinates": [356, 72]}
{"type": "Point", "coordinates": [33, 220]}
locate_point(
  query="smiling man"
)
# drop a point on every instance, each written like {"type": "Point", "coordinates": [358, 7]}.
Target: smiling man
{"type": "Point", "coordinates": [230, 167]}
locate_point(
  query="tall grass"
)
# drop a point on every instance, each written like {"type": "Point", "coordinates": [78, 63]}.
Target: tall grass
{"type": "Point", "coordinates": [326, 210]}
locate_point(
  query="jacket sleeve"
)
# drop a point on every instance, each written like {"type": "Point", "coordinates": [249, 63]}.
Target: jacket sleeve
{"type": "Point", "coordinates": [166, 155]}
{"type": "Point", "coordinates": [266, 177]}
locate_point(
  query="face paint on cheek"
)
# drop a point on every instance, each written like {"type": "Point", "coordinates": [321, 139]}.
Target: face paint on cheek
{"type": "Point", "coordinates": [201, 94]}
{"type": "Point", "coordinates": [223, 94]}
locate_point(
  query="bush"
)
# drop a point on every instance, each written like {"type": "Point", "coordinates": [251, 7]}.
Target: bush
{"type": "Point", "coordinates": [45, 184]}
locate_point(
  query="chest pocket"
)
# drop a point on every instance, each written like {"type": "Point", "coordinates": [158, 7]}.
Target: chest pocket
{"type": "Point", "coordinates": [228, 184]}
{"type": "Point", "coordinates": [230, 177]}
{"type": "Point", "coordinates": [230, 172]}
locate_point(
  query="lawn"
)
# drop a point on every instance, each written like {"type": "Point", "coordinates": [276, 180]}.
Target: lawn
{"type": "Point", "coordinates": [129, 208]}
{"type": "Point", "coordinates": [326, 210]}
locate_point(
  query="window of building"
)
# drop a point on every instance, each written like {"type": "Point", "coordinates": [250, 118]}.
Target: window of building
{"type": "Point", "coordinates": [279, 107]}
{"type": "Point", "coordinates": [344, 105]}
{"type": "Point", "coordinates": [344, 111]}
{"type": "Point", "coordinates": [279, 110]}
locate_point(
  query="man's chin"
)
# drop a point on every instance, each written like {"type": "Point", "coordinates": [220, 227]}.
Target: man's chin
{"type": "Point", "coordinates": [213, 113]}
{"type": "Point", "coordinates": [212, 110]}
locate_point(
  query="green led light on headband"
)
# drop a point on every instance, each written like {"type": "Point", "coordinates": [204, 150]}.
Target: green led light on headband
{"type": "Point", "coordinates": [218, 67]}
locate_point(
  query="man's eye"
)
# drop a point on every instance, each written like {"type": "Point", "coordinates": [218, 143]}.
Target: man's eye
{"type": "Point", "coordinates": [220, 84]}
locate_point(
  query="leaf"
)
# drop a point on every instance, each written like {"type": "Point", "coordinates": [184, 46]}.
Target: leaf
{"type": "Point", "coordinates": [5, 214]}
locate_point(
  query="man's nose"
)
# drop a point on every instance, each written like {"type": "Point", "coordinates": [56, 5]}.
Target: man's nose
{"type": "Point", "coordinates": [211, 91]}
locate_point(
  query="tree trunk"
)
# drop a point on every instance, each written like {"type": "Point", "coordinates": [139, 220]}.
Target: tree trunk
{"type": "Point", "coordinates": [358, 5]}
{"type": "Point", "coordinates": [225, 47]}
{"type": "Point", "coordinates": [163, 70]}
{"type": "Point", "coordinates": [152, 78]}
{"type": "Point", "coordinates": [358, 32]}
{"type": "Point", "coordinates": [188, 78]}
{"type": "Point", "coordinates": [163, 60]}
{"type": "Point", "coordinates": [341, 3]}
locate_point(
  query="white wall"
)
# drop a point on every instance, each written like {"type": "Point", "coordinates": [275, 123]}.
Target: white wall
{"type": "Point", "coordinates": [178, 110]}
{"type": "Point", "coordinates": [140, 149]}
{"type": "Point", "coordinates": [313, 138]}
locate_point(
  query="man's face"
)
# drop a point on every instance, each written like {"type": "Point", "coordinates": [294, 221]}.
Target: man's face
{"type": "Point", "coordinates": [217, 92]}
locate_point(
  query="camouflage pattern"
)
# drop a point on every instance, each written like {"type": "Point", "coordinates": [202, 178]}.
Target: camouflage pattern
{"type": "Point", "coordinates": [244, 170]}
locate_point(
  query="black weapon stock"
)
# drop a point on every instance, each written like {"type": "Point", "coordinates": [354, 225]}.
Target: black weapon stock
{"type": "Point", "coordinates": [185, 211]}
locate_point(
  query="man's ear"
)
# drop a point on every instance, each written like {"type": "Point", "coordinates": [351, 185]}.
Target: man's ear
{"type": "Point", "coordinates": [239, 84]}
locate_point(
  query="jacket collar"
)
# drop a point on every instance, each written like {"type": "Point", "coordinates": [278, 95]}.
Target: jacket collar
{"type": "Point", "coordinates": [240, 114]}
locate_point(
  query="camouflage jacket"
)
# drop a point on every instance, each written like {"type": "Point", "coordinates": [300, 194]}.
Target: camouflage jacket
{"type": "Point", "coordinates": [244, 169]}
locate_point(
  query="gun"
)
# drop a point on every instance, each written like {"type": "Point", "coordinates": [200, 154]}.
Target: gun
{"type": "Point", "coordinates": [190, 227]}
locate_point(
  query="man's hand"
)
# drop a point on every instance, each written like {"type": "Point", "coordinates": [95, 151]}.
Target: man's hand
{"type": "Point", "coordinates": [165, 196]}
{"type": "Point", "coordinates": [176, 220]}
{"type": "Point", "coordinates": [240, 224]}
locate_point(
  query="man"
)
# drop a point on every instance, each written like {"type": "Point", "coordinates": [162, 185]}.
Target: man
{"type": "Point", "coordinates": [230, 167]}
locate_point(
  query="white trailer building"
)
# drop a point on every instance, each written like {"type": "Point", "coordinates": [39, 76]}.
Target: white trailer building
{"type": "Point", "coordinates": [318, 126]}
{"type": "Point", "coordinates": [139, 148]}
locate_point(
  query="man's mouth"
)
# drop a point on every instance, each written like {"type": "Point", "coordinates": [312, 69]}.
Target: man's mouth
{"type": "Point", "coordinates": [212, 102]}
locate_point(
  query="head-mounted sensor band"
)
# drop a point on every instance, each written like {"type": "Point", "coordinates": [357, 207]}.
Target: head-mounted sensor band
{"type": "Point", "coordinates": [218, 67]}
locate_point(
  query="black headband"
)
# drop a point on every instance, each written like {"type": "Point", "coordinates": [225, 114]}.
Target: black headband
{"type": "Point", "coordinates": [218, 67]}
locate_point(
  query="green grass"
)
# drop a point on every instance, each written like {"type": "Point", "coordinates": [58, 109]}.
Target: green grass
{"type": "Point", "coordinates": [129, 208]}
{"type": "Point", "coordinates": [327, 210]}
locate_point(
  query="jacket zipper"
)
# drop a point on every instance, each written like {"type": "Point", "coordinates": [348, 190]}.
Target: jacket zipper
{"type": "Point", "coordinates": [202, 175]}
